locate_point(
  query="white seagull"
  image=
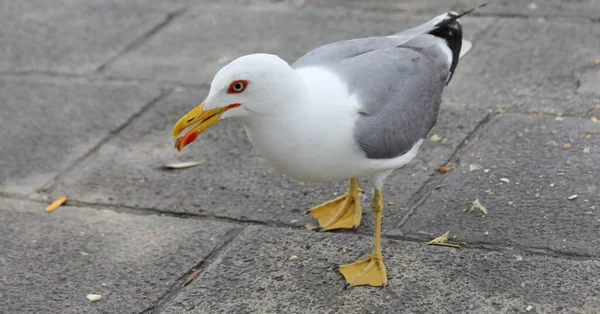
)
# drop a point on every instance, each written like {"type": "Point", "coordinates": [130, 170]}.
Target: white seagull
{"type": "Point", "coordinates": [347, 109]}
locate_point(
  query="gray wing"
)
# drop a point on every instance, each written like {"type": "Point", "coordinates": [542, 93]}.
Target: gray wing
{"type": "Point", "coordinates": [399, 82]}
{"type": "Point", "coordinates": [349, 48]}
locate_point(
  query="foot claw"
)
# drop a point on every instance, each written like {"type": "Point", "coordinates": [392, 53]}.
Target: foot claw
{"type": "Point", "coordinates": [318, 229]}
{"type": "Point", "coordinates": [336, 267]}
{"type": "Point", "coordinates": [346, 286]}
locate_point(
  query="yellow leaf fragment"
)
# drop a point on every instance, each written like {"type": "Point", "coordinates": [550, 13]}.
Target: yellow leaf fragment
{"type": "Point", "coordinates": [56, 204]}
{"type": "Point", "coordinates": [477, 204]}
{"type": "Point", "coordinates": [443, 241]}
{"type": "Point", "coordinates": [435, 138]}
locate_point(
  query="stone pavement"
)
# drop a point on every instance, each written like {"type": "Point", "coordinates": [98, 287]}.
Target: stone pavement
{"type": "Point", "coordinates": [89, 92]}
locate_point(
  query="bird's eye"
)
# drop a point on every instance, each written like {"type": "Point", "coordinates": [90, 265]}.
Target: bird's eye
{"type": "Point", "coordinates": [237, 87]}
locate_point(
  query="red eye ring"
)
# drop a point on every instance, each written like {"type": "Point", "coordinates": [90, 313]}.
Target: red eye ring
{"type": "Point", "coordinates": [237, 87]}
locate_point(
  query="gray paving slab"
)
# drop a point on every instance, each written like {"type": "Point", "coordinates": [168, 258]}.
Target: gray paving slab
{"type": "Point", "coordinates": [234, 181]}
{"type": "Point", "coordinates": [195, 46]}
{"type": "Point", "coordinates": [562, 8]}
{"type": "Point", "coordinates": [255, 275]}
{"type": "Point", "coordinates": [50, 262]}
{"type": "Point", "coordinates": [48, 124]}
{"type": "Point", "coordinates": [511, 65]}
{"type": "Point", "coordinates": [531, 175]}
{"type": "Point", "coordinates": [70, 35]}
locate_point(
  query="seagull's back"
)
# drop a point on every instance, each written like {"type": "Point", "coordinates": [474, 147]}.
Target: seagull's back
{"type": "Point", "coordinates": [397, 81]}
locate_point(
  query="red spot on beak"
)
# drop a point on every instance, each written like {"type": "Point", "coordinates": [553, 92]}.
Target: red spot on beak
{"type": "Point", "coordinates": [233, 106]}
{"type": "Point", "coordinates": [189, 138]}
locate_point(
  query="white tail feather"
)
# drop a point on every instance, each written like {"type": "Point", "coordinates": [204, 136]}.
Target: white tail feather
{"type": "Point", "coordinates": [465, 47]}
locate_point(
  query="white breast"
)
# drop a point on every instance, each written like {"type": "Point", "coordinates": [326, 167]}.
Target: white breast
{"type": "Point", "coordinates": [314, 141]}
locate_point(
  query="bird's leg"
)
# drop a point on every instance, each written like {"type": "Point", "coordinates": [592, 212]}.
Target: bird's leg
{"type": "Point", "coordinates": [370, 271]}
{"type": "Point", "coordinates": [341, 213]}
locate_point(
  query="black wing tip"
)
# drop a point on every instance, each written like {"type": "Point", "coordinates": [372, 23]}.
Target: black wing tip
{"type": "Point", "coordinates": [450, 30]}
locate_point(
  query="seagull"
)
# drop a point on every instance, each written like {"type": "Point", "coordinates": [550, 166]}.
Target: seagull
{"type": "Point", "coordinates": [359, 107]}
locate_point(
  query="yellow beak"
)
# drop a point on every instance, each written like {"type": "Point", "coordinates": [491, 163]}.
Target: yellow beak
{"type": "Point", "coordinates": [199, 120]}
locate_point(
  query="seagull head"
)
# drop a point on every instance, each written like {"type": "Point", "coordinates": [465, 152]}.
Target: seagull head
{"type": "Point", "coordinates": [251, 86]}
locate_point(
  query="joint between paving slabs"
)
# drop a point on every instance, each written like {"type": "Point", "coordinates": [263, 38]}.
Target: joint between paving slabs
{"type": "Point", "coordinates": [423, 193]}
{"type": "Point", "coordinates": [48, 186]}
{"type": "Point", "coordinates": [551, 17]}
{"type": "Point", "coordinates": [142, 39]}
{"type": "Point", "coordinates": [99, 78]}
{"type": "Point", "coordinates": [516, 249]}
{"type": "Point", "coordinates": [199, 268]}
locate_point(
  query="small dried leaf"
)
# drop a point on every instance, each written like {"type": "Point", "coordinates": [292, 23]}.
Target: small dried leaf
{"type": "Point", "coordinates": [443, 169]}
{"type": "Point", "coordinates": [190, 278]}
{"type": "Point", "coordinates": [566, 145]}
{"type": "Point", "coordinates": [595, 120]}
{"type": "Point", "coordinates": [182, 165]}
{"type": "Point", "coordinates": [586, 150]}
{"type": "Point", "coordinates": [443, 241]}
{"type": "Point", "coordinates": [56, 204]}
{"type": "Point", "coordinates": [477, 204]}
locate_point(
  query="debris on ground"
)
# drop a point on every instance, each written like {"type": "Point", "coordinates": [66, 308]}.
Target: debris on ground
{"type": "Point", "coordinates": [443, 169]}
{"type": "Point", "coordinates": [435, 138]}
{"type": "Point", "coordinates": [572, 197]}
{"type": "Point", "coordinates": [56, 204]}
{"type": "Point", "coordinates": [529, 308]}
{"type": "Point", "coordinates": [486, 234]}
{"type": "Point", "coordinates": [474, 167]}
{"type": "Point", "coordinates": [183, 165]}
{"type": "Point", "coordinates": [443, 241]}
{"type": "Point", "coordinates": [293, 258]}
{"type": "Point", "coordinates": [505, 180]}
{"type": "Point", "coordinates": [191, 277]}
{"type": "Point", "coordinates": [93, 297]}
{"type": "Point", "coordinates": [477, 204]}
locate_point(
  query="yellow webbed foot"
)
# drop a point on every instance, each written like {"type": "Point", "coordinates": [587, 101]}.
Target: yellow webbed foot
{"type": "Point", "coordinates": [368, 272]}
{"type": "Point", "coordinates": [343, 212]}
